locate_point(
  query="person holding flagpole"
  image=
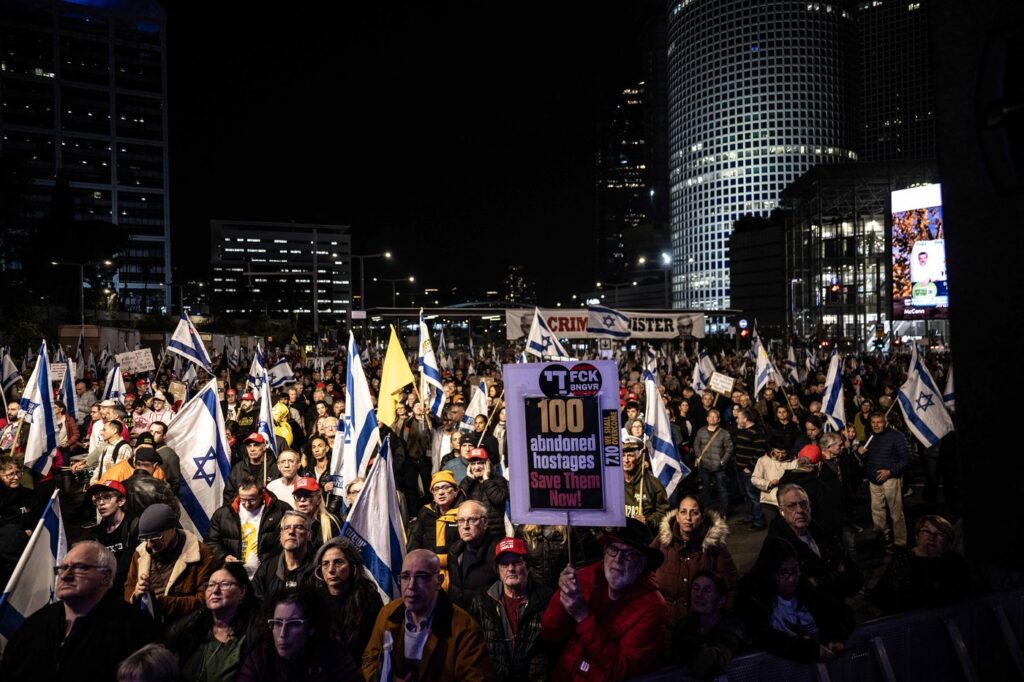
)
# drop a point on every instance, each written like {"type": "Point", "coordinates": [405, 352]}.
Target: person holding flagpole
{"type": "Point", "coordinates": [885, 456]}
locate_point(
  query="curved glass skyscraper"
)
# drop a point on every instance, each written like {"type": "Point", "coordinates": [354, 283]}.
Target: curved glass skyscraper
{"type": "Point", "coordinates": [759, 91]}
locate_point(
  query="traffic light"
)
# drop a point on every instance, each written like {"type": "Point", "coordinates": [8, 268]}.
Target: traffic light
{"type": "Point", "coordinates": [744, 333]}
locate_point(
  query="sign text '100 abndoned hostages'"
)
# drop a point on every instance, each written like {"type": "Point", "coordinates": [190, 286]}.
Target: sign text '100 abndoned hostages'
{"type": "Point", "coordinates": [565, 458]}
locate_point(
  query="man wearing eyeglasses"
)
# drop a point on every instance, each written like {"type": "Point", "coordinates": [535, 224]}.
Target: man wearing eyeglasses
{"type": "Point", "coordinates": [608, 619]}
{"type": "Point", "coordinates": [293, 565]}
{"type": "Point", "coordinates": [424, 636]}
{"type": "Point", "coordinates": [86, 633]}
{"type": "Point", "coordinates": [470, 567]}
{"type": "Point", "coordinates": [247, 529]}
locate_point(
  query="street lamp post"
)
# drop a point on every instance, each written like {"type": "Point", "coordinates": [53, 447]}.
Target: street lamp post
{"type": "Point", "coordinates": [362, 272]}
{"type": "Point", "coordinates": [394, 282]}
{"type": "Point", "coordinates": [615, 286]}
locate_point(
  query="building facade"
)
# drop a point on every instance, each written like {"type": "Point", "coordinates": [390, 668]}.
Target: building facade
{"type": "Point", "coordinates": [83, 118]}
{"type": "Point", "coordinates": [758, 93]}
{"type": "Point", "coordinates": [272, 269]}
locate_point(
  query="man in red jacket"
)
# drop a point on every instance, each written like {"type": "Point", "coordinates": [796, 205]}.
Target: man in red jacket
{"type": "Point", "coordinates": [609, 619]}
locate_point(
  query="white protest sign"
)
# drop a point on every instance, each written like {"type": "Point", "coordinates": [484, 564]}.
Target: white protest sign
{"type": "Point", "coordinates": [721, 383]}
{"type": "Point", "coordinates": [136, 361]}
{"type": "Point", "coordinates": [564, 454]}
{"type": "Point", "coordinates": [57, 370]}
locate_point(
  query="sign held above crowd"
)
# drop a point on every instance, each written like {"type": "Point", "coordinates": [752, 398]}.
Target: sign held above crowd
{"type": "Point", "coordinates": [599, 322]}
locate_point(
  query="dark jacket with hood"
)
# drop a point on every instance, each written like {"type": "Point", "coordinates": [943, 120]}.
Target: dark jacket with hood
{"type": "Point", "coordinates": [225, 534]}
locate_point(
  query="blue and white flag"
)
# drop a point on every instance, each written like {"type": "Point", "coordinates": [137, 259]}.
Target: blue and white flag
{"type": "Point", "coordinates": [37, 404]}
{"type": "Point", "coordinates": [281, 374]}
{"type": "Point", "coordinates": [90, 364]}
{"type": "Point", "coordinates": [444, 359]}
{"type": "Point", "coordinates": [265, 423]}
{"type": "Point", "coordinates": [431, 390]}
{"type": "Point", "coordinates": [921, 402]}
{"type": "Point", "coordinates": [9, 373]}
{"type": "Point", "coordinates": [257, 371]}
{"type": "Point", "coordinates": [792, 368]}
{"type": "Point", "coordinates": [59, 357]}
{"type": "Point", "coordinates": [66, 392]}
{"type": "Point", "coordinates": [833, 403]}
{"type": "Point", "coordinates": [541, 341]}
{"type": "Point", "coordinates": [114, 388]}
{"type": "Point", "coordinates": [650, 366]}
{"type": "Point", "coordinates": [607, 323]}
{"type": "Point", "coordinates": [702, 371]}
{"type": "Point", "coordinates": [185, 342]}
{"type": "Point", "coordinates": [197, 434]}
{"type": "Point", "coordinates": [374, 526]}
{"type": "Point", "coordinates": [106, 358]}
{"type": "Point", "coordinates": [765, 371]}
{"type": "Point", "coordinates": [32, 585]}
{"type": "Point", "coordinates": [360, 435]}
{"type": "Point", "coordinates": [477, 406]}
{"type": "Point", "coordinates": [80, 356]}
{"type": "Point", "coordinates": [665, 463]}
{"type": "Point", "coordinates": [949, 396]}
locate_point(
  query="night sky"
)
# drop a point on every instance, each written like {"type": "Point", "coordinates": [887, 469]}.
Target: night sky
{"type": "Point", "coordinates": [460, 136]}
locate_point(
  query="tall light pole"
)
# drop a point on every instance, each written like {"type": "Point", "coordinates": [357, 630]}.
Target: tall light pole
{"type": "Point", "coordinates": [394, 282]}
{"type": "Point", "coordinates": [616, 286]}
{"type": "Point", "coordinates": [362, 258]}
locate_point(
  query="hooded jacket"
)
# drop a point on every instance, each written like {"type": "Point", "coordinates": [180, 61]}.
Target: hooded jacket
{"type": "Point", "coordinates": [225, 534]}
{"type": "Point", "coordinates": [183, 593]}
{"type": "Point", "coordinates": [706, 550]}
{"type": "Point", "coordinates": [617, 639]}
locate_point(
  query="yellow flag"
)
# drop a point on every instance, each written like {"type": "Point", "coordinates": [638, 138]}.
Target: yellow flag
{"type": "Point", "coordinates": [395, 376]}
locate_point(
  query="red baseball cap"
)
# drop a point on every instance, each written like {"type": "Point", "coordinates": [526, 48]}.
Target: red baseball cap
{"type": "Point", "coordinates": [232, 391]}
{"type": "Point", "coordinates": [255, 438]}
{"type": "Point", "coordinates": [477, 453]}
{"type": "Point", "coordinates": [247, 396]}
{"type": "Point", "coordinates": [811, 452]}
{"type": "Point", "coordinates": [116, 486]}
{"type": "Point", "coordinates": [510, 546]}
{"type": "Point", "coordinates": [307, 483]}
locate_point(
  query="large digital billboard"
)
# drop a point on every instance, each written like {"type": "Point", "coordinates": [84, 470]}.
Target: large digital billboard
{"type": "Point", "coordinates": [920, 290]}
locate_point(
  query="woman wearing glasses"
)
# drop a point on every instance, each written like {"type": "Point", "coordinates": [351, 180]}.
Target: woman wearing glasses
{"type": "Point", "coordinates": [212, 642]}
{"type": "Point", "coordinates": [353, 598]}
{"type": "Point", "coordinates": [300, 647]}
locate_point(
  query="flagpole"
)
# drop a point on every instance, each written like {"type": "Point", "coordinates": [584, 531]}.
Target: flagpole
{"type": "Point", "coordinates": [489, 419]}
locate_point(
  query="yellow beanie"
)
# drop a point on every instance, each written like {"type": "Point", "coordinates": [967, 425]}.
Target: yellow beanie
{"type": "Point", "coordinates": [443, 476]}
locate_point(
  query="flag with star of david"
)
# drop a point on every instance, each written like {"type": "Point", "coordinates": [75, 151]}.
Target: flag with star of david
{"type": "Point", "coordinates": [197, 434]}
{"type": "Point", "coordinates": [541, 341]}
{"type": "Point", "coordinates": [607, 323]}
{"type": "Point", "coordinates": [922, 405]}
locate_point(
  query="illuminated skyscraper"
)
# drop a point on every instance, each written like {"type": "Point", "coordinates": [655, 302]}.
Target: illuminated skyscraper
{"type": "Point", "coordinates": [758, 93]}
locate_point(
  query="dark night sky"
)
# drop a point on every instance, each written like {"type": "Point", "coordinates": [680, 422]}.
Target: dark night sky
{"type": "Point", "coordinates": [461, 136]}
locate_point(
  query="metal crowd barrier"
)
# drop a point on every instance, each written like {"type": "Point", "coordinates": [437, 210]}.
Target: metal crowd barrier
{"type": "Point", "coordinates": [975, 641]}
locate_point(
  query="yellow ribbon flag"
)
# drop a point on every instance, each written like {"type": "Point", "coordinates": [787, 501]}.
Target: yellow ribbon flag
{"type": "Point", "coordinates": [395, 376]}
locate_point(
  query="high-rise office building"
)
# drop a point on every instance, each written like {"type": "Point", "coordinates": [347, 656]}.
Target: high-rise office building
{"type": "Point", "coordinates": [83, 92]}
{"type": "Point", "coordinates": [897, 103]}
{"type": "Point", "coordinates": [273, 269]}
{"type": "Point", "coordinates": [758, 93]}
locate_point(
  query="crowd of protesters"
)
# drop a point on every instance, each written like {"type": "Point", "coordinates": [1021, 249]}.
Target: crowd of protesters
{"type": "Point", "coordinates": [272, 592]}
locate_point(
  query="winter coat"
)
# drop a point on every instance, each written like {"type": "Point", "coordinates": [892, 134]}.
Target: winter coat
{"type": "Point", "coordinates": [243, 467]}
{"type": "Point", "coordinates": [549, 553]}
{"type": "Point", "coordinates": [654, 505]}
{"type": "Point", "coordinates": [467, 579]}
{"type": "Point", "coordinates": [718, 453]}
{"type": "Point", "coordinates": [189, 635]}
{"type": "Point", "coordinates": [272, 575]}
{"type": "Point", "coordinates": [834, 571]}
{"type": "Point", "coordinates": [617, 639]}
{"type": "Point", "coordinates": [766, 470]}
{"type": "Point", "coordinates": [225, 534]}
{"type": "Point", "coordinates": [705, 551]}
{"type": "Point", "coordinates": [523, 656]}
{"type": "Point", "coordinates": [40, 651]}
{"type": "Point", "coordinates": [493, 494]}
{"type": "Point", "coordinates": [435, 531]}
{"type": "Point", "coordinates": [913, 583]}
{"type": "Point", "coordinates": [887, 450]}
{"type": "Point", "coordinates": [455, 650]}
{"type": "Point", "coordinates": [749, 445]}
{"type": "Point", "coordinates": [183, 593]}
{"type": "Point", "coordinates": [353, 613]}
{"type": "Point", "coordinates": [143, 489]}
{"type": "Point", "coordinates": [826, 494]}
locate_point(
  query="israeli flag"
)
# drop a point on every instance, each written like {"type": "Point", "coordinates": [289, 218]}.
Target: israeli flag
{"type": "Point", "coordinates": [665, 463]}
{"type": "Point", "coordinates": [702, 371]}
{"type": "Point", "coordinates": [197, 434]}
{"type": "Point", "coordinates": [257, 371]}
{"type": "Point", "coordinates": [921, 402]}
{"type": "Point", "coordinates": [32, 585]}
{"type": "Point", "coordinates": [185, 342]}
{"type": "Point", "coordinates": [281, 374]}
{"type": "Point", "coordinates": [541, 341]}
{"type": "Point", "coordinates": [80, 356]}
{"type": "Point", "coordinates": [477, 406]}
{"type": "Point", "coordinates": [66, 392]}
{"type": "Point", "coordinates": [114, 388]}
{"type": "Point", "coordinates": [431, 390]}
{"type": "Point", "coordinates": [360, 435]}
{"type": "Point", "coordinates": [265, 424]}
{"type": "Point", "coordinates": [607, 323]}
{"type": "Point", "coordinates": [105, 358]}
{"type": "Point", "coordinates": [650, 366]}
{"type": "Point", "coordinates": [59, 357]}
{"type": "Point", "coordinates": [765, 371]}
{"type": "Point", "coordinates": [948, 396]}
{"type": "Point", "coordinates": [374, 526]}
{"type": "Point", "coordinates": [444, 360]}
{"type": "Point", "coordinates": [833, 403]}
{"type": "Point", "coordinates": [37, 403]}
{"type": "Point", "coordinates": [792, 368]}
{"type": "Point", "coordinates": [91, 364]}
{"type": "Point", "coordinates": [9, 373]}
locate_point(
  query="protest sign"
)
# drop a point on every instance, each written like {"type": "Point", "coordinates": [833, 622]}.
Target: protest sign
{"type": "Point", "coordinates": [720, 383]}
{"type": "Point", "coordinates": [563, 443]}
{"type": "Point", "coordinates": [570, 324]}
{"type": "Point", "coordinates": [136, 361]}
{"type": "Point", "coordinates": [178, 390]}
